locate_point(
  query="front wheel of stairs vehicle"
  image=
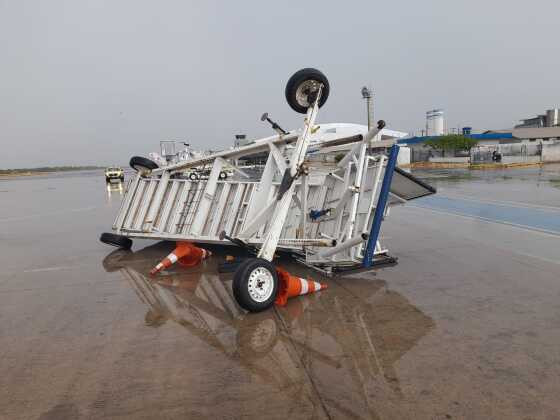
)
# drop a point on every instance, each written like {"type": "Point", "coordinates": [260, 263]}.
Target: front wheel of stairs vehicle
{"type": "Point", "coordinates": [116, 240]}
{"type": "Point", "coordinates": [255, 285]}
{"type": "Point", "coordinates": [302, 87]}
{"type": "Point", "coordinates": [141, 164]}
{"type": "Point", "coordinates": [223, 175]}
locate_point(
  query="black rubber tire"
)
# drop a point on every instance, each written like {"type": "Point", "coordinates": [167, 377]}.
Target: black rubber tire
{"type": "Point", "coordinates": [107, 179]}
{"type": "Point", "coordinates": [193, 176]}
{"type": "Point", "coordinates": [297, 79]}
{"type": "Point", "coordinates": [223, 175]}
{"type": "Point", "coordinates": [241, 289]}
{"type": "Point", "coordinates": [116, 240]}
{"type": "Point", "coordinates": [139, 163]}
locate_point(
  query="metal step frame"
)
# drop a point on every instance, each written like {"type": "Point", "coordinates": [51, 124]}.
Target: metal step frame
{"type": "Point", "coordinates": [165, 204]}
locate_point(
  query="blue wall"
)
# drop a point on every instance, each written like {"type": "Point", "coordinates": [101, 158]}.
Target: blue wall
{"type": "Point", "coordinates": [489, 136]}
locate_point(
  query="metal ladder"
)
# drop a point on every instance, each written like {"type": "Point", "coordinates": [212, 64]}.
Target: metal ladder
{"type": "Point", "coordinates": [190, 206]}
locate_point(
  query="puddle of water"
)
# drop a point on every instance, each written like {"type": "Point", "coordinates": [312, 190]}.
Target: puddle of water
{"type": "Point", "coordinates": [547, 220]}
{"type": "Point", "coordinates": [348, 344]}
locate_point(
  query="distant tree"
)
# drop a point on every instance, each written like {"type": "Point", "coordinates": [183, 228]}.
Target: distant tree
{"type": "Point", "coordinates": [451, 142]}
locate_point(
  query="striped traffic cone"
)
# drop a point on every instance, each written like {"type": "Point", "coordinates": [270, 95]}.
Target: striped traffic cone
{"type": "Point", "coordinates": [186, 253]}
{"type": "Point", "coordinates": [290, 286]}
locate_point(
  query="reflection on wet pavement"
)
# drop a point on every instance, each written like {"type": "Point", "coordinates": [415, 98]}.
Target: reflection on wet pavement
{"type": "Point", "coordinates": [535, 185]}
{"type": "Point", "coordinates": [546, 219]}
{"type": "Point", "coordinates": [466, 325]}
{"type": "Point", "coordinates": [337, 352]}
{"type": "Point", "coordinates": [115, 188]}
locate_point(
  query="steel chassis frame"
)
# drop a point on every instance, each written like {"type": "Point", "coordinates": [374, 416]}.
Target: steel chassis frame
{"type": "Point", "coordinates": [151, 213]}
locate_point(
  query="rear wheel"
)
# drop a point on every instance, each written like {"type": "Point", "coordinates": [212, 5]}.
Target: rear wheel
{"type": "Point", "coordinates": [223, 175]}
{"type": "Point", "coordinates": [302, 87]}
{"type": "Point", "coordinates": [141, 164]}
{"type": "Point", "coordinates": [116, 240]}
{"type": "Point", "coordinates": [193, 176]}
{"type": "Point", "coordinates": [255, 284]}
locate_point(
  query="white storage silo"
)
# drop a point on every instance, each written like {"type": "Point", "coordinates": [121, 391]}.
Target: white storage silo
{"type": "Point", "coordinates": [552, 117]}
{"type": "Point", "coordinates": [435, 124]}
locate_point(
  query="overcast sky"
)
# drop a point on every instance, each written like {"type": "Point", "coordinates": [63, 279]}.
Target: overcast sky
{"type": "Point", "coordinates": [95, 82]}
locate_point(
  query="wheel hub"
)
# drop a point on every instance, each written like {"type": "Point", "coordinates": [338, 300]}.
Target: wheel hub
{"type": "Point", "coordinates": [303, 91]}
{"type": "Point", "coordinates": [260, 284]}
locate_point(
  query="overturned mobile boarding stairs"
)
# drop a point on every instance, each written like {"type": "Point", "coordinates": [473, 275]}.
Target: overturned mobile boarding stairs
{"type": "Point", "coordinates": [328, 217]}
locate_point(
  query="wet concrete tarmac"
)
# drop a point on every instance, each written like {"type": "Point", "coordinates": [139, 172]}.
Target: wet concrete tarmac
{"type": "Point", "coordinates": [467, 325]}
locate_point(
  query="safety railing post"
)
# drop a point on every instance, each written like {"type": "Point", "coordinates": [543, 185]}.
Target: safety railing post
{"type": "Point", "coordinates": [380, 208]}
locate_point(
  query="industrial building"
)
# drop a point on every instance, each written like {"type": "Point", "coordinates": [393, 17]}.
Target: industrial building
{"type": "Point", "coordinates": [536, 139]}
{"type": "Point", "coordinates": [551, 118]}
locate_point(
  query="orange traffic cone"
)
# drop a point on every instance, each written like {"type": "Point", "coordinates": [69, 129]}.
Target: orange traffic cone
{"type": "Point", "coordinates": [186, 253]}
{"type": "Point", "coordinates": [290, 286]}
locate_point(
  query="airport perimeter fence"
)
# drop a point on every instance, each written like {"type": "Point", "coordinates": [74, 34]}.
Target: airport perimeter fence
{"type": "Point", "coordinates": [425, 154]}
{"type": "Point", "coordinates": [510, 153]}
{"type": "Point", "coordinates": [507, 152]}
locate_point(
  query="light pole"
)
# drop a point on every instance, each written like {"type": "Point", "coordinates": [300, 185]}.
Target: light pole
{"type": "Point", "coordinates": [367, 95]}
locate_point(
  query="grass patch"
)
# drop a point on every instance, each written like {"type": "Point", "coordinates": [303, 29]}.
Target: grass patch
{"type": "Point", "coordinates": [43, 169]}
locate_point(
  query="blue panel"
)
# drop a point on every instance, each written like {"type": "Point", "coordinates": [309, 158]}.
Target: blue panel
{"type": "Point", "coordinates": [487, 136]}
{"type": "Point", "coordinates": [381, 203]}
{"type": "Point", "coordinates": [491, 136]}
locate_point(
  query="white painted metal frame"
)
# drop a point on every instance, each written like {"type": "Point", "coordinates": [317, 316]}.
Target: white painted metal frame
{"type": "Point", "coordinates": [283, 204]}
{"type": "Point", "coordinates": [165, 205]}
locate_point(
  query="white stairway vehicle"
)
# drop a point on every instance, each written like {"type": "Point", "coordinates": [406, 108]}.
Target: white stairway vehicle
{"type": "Point", "coordinates": [329, 217]}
